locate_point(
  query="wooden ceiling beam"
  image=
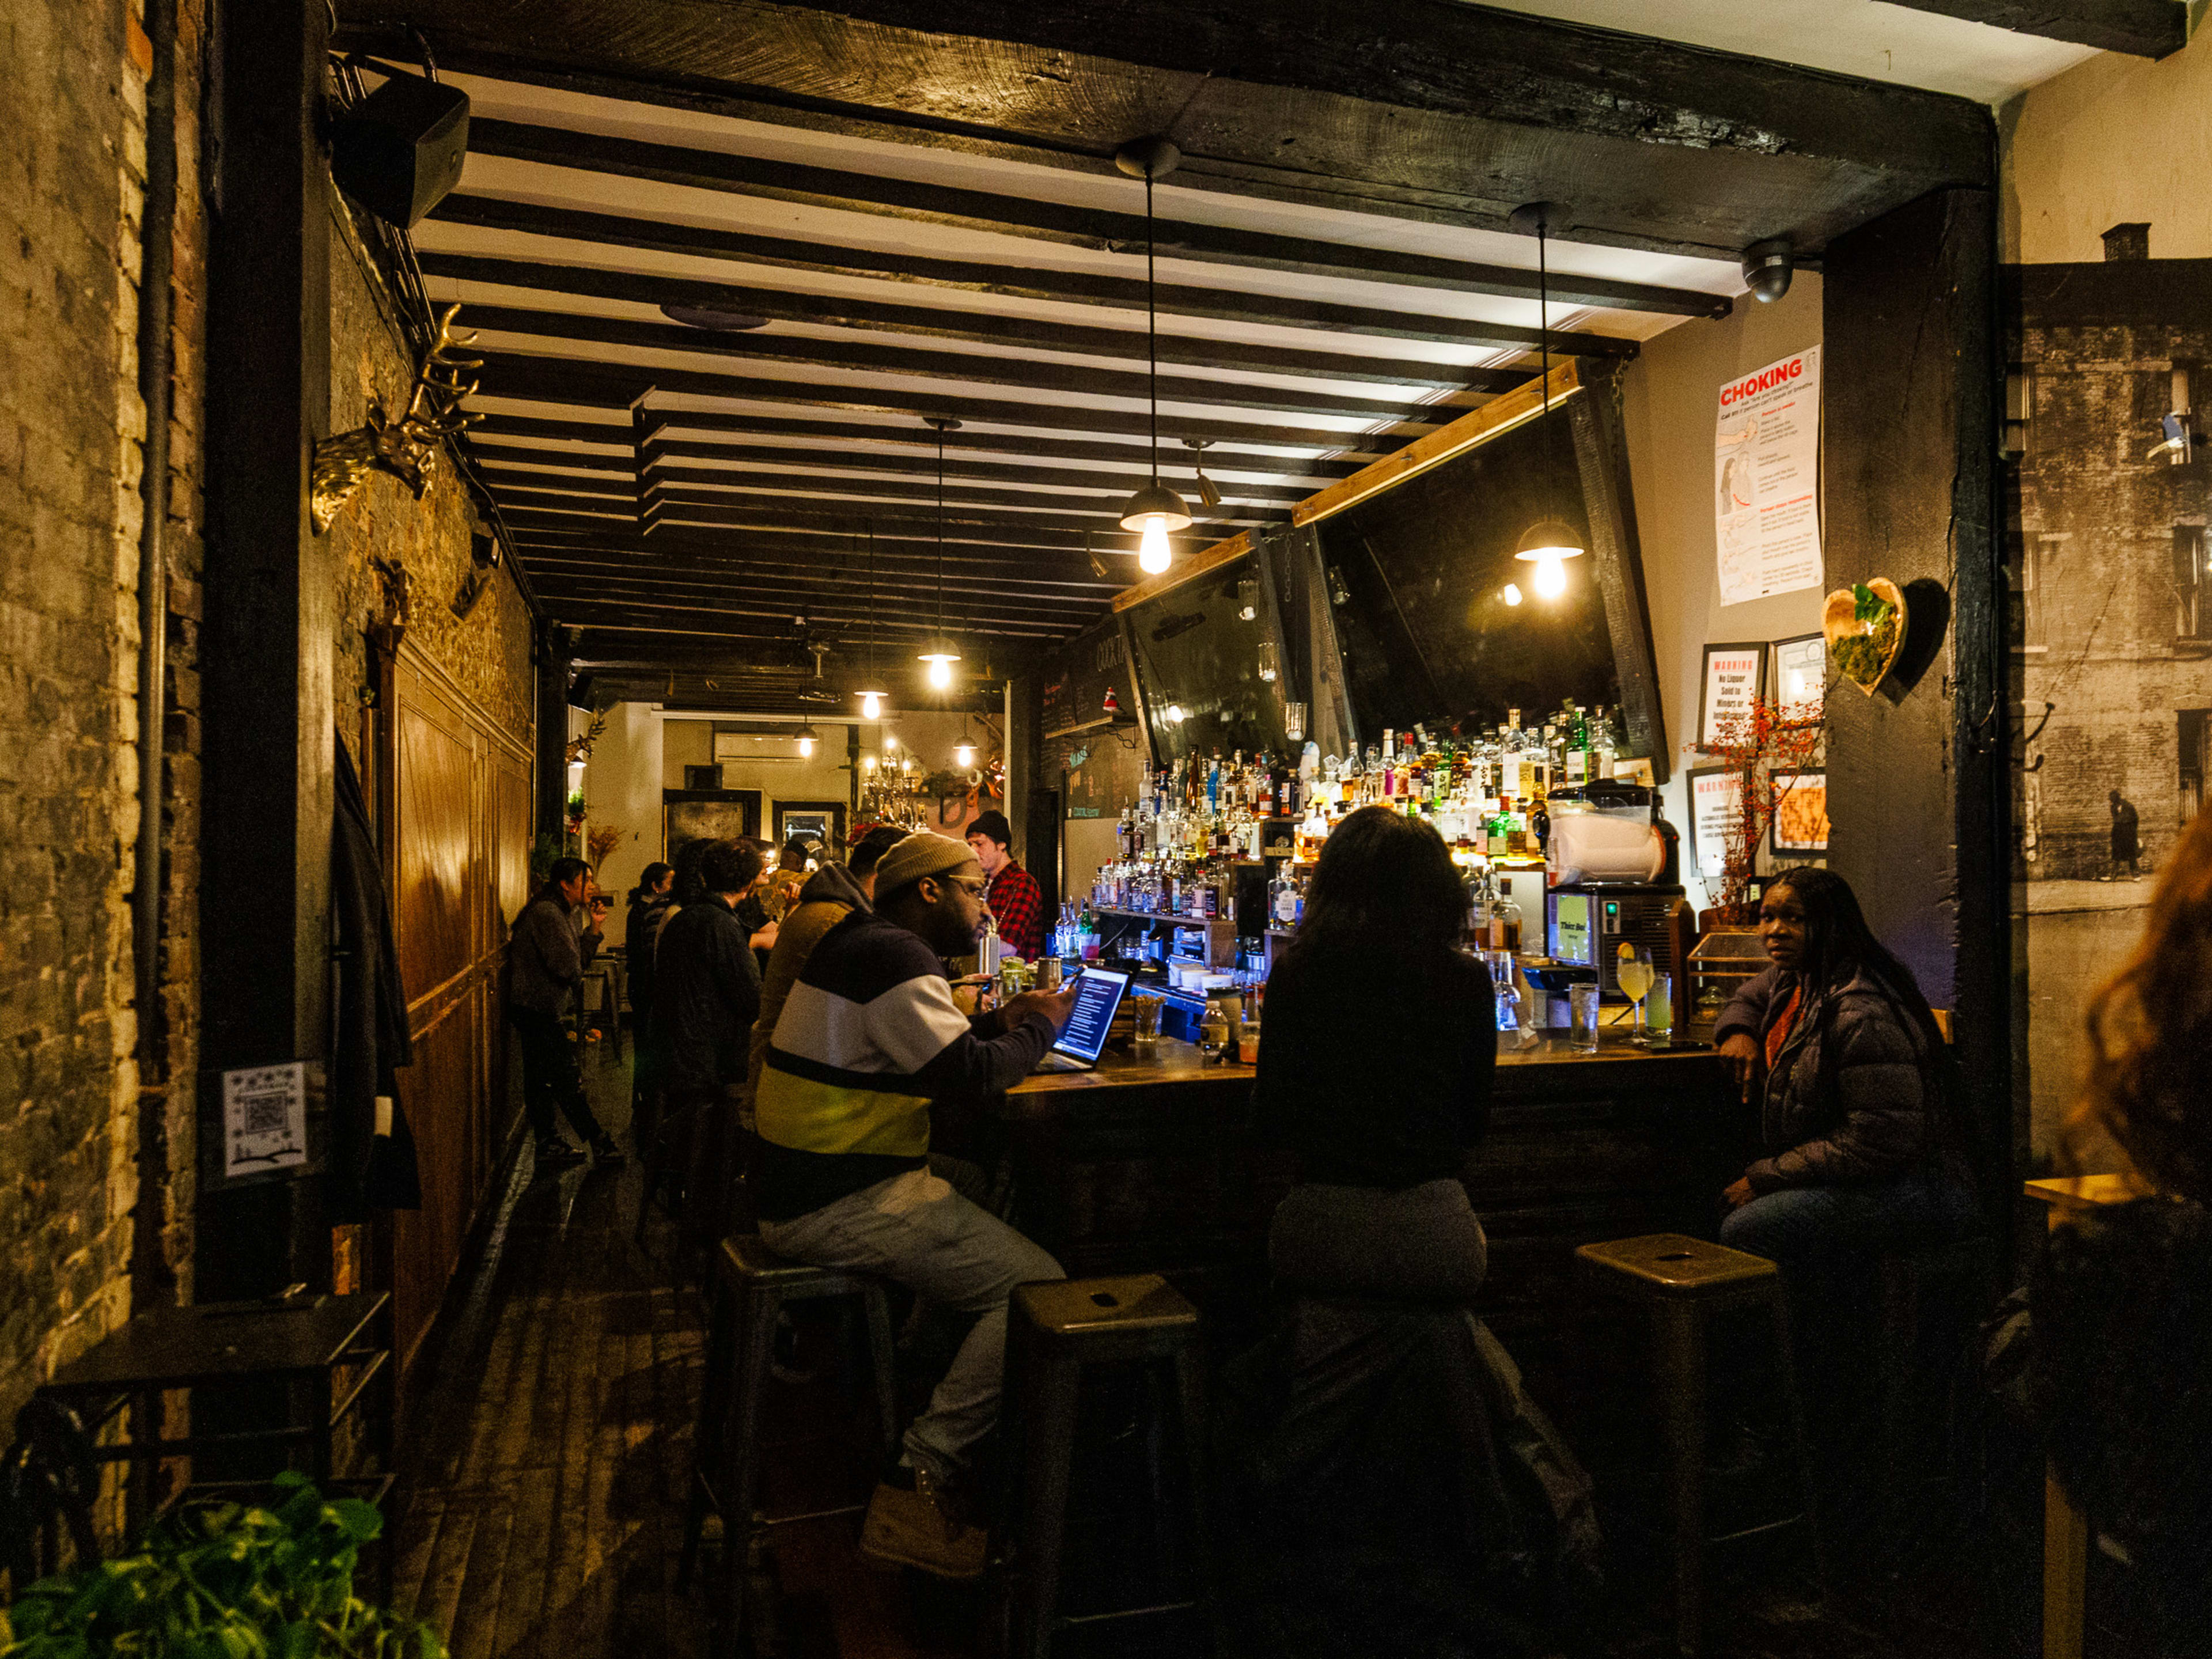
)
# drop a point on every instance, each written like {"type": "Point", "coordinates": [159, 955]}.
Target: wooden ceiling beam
{"type": "Point", "coordinates": [1418, 108]}
{"type": "Point", "coordinates": [587, 611]}
{"type": "Point", "coordinates": [671, 455]}
{"type": "Point", "coordinates": [820, 604]}
{"type": "Point", "coordinates": [1013, 281]}
{"type": "Point", "coordinates": [2140, 28]}
{"type": "Point", "coordinates": [958, 528]}
{"type": "Point", "coordinates": [712, 484]}
{"type": "Point", "coordinates": [588, 380]}
{"type": "Point", "coordinates": [918, 202]}
{"type": "Point", "coordinates": [844, 540]}
{"type": "Point", "coordinates": [943, 322]}
{"type": "Point", "coordinates": [972, 368]}
{"type": "Point", "coordinates": [1049, 583]}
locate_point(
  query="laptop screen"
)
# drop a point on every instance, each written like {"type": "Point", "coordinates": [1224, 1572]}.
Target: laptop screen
{"type": "Point", "coordinates": [1098, 996]}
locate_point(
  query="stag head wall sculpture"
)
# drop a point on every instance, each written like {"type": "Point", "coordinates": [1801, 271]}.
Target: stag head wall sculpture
{"type": "Point", "coordinates": [407, 448]}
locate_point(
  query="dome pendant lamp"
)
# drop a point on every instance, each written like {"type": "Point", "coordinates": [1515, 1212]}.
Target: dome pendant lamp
{"type": "Point", "coordinates": [871, 701]}
{"type": "Point", "coordinates": [940, 656]}
{"type": "Point", "coordinates": [1547, 545]}
{"type": "Point", "coordinates": [1154, 510]}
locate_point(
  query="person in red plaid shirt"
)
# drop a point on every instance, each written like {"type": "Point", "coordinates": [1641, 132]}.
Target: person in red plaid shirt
{"type": "Point", "coordinates": [1014, 897]}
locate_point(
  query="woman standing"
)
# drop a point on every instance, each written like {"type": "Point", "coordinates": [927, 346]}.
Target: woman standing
{"type": "Point", "coordinates": [1381, 1043]}
{"type": "Point", "coordinates": [1838, 1046]}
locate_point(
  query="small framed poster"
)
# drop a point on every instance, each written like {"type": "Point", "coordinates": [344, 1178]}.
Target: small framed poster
{"type": "Point", "coordinates": [1800, 679]}
{"type": "Point", "coordinates": [1735, 678]}
{"type": "Point", "coordinates": [1716, 796]}
{"type": "Point", "coordinates": [1800, 811]}
{"type": "Point", "coordinates": [265, 1119]}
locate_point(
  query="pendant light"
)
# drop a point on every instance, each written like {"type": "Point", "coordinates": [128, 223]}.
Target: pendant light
{"type": "Point", "coordinates": [871, 701]}
{"type": "Point", "coordinates": [1154, 510]}
{"type": "Point", "coordinates": [806, 739]}
{"type": "Point", "coordinates": [940, 656]}
{"type": "Point", "coordinates": [964, 752]}
{"type": "Point", "coordinates": [1550, 543]}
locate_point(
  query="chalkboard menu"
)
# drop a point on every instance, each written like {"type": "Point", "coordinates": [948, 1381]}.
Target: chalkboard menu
{"type": "Point", "coordinates": [1098, 768]}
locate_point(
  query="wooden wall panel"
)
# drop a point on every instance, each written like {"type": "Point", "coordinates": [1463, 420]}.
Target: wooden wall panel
{"type": "Point", "coordinates": [461, 862]}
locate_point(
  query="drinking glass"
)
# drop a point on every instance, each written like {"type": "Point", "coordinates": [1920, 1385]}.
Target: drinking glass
{"type": "Point", "coordinates": [1582, 1016]}
{"type": "Point", "coordinates": [1633, 972]}
{"type": "Point", "coordinates": [1146, 1011]}
{"type": "Point", "coordinates": [1659, 1011]}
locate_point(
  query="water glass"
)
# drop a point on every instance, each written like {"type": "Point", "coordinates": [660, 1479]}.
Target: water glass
{"type": "Point", "coordinates": [1582, 1018]}
{"type": "Point", "coordinates": [1048, 973]}
{"type": "Point", "coordinates": [1659, 1011]}
{"type": "Point", "coordinates": [1146, 1011]}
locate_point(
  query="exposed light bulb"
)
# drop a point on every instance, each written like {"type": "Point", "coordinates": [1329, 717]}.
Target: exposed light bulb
{"type": "Point", "coordinates": [1175, 714]}
{"type": "Point", "coordinates": [806, 749]}
{"type": "Point", "coordinates": [1152, 547]}
{"type": "Point", "coordinates": [867, 762]}
{"type": "Point", "coordinates": [963, 754]}
{"type": "Point", "coordinates": [871, 706]}
{"type": "Point", "coordinates": [1550, 577]}
{"type": "Point", "coordinates": [890, 744]}
{"type": "Point", "coordinates": [1512, 593]}
{"type": "Point", "coordinates": [941, 672]}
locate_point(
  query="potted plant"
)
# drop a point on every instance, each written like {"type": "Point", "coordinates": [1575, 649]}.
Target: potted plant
{"type": "Point", "coordinates": [239, 1580]}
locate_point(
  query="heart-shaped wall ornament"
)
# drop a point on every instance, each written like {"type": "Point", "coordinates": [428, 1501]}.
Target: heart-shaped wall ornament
{"type": "Point", "coordinates": [1864, 626]}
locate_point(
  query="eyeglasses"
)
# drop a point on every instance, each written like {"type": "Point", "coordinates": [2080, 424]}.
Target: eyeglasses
{"type": "Point", "coordinates": [972, 888]}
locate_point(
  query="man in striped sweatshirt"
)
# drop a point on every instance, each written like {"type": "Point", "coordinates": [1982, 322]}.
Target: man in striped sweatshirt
{"type": "Point", "coordinates": [868, 1038]}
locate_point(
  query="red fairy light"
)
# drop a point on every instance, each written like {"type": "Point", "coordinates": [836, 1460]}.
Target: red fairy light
{"type": "Point", "coordinates": [1752, 747]}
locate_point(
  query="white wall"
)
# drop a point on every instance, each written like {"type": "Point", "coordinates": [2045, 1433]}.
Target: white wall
{"type": "Point", "coordinates": [622, 787]}
{"type": "Point", "coordinates": [2116, 140]}
{"type": "Point", "coordinates": [1668, 403]}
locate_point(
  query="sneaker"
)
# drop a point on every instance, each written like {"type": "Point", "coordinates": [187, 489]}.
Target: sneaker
{"type": "Point", "coordinates": [911, 1527]}
{"type": "Point", "coordinates": [604, 1151]}
{"type": "Point", "coordinates": [557, 1151]}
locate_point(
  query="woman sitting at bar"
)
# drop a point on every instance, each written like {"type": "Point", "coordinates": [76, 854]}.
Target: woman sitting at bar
{"type": "Point", "coordinates": [1837, 1045]}
{"type": "Point", "coordinates": [1381, 1040]}
{"type": "Point", "coordinates": [2121, 1302]}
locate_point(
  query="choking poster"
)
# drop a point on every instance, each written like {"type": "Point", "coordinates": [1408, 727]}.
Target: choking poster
{"type": "Point", "coordinates": [1766, 479]}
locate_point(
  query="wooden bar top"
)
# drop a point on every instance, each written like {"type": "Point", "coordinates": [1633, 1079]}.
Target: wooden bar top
{"type": "Point", "coordinates": [1175, 1062]}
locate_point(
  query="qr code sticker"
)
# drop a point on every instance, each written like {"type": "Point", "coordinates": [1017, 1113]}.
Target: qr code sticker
{"type": "Point", "coordinates": [264, 1114]}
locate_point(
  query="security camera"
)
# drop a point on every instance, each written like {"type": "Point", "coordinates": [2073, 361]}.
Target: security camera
{"type": "Point", "coordinates": [1768, 266]}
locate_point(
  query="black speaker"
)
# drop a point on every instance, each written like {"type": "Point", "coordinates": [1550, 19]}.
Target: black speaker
{"type": "Point", "coordinates": [400, 150]}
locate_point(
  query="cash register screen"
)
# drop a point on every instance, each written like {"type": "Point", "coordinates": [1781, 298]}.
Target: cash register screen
{"type": "Point", "coordinates": [1097, 997]}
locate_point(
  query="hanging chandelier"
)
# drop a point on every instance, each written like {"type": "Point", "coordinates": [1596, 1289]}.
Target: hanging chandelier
{"type": "Point", "coordinates": [1154, 510]}
{"type": "Point", "coordinates": [1551, 541]}
{"type": "Point", "coordinates": [940, 655]}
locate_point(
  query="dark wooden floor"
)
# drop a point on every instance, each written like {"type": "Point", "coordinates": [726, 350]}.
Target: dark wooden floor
{"type": "Point", "coordinates": [543, 1484]}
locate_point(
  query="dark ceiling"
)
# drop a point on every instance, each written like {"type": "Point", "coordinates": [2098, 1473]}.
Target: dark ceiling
{"type": "Point", "coordinates": [916, 204]}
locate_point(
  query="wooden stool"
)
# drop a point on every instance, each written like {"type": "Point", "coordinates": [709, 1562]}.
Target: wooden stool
{"type": "Point", "coordinates": [752, 1287]}
{"type": "Point", "coordinates": [1906, 1278]}
{"type": "Point", "coordinates": [1682, 1283]}
{"type": "Point", "coordinates": [1054, 1331]}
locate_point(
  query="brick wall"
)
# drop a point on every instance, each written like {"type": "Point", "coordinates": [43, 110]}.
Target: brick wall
{"type": "Point", "coordinates": [2101, 632]}
{"type": "Point", "coordinates": [72, 83]}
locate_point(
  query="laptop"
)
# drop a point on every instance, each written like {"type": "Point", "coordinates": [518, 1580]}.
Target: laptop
{"type": "Point", "coordinates": [1098, 996]}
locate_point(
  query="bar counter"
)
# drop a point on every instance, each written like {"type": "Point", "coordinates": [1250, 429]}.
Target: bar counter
{"type": "Point", "coordinates": [1153, 1164]}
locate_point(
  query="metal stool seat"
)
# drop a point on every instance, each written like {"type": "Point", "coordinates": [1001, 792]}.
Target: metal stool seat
{"type": "Point", "coordinates": [1056, 1330]}
{"type": "Point", "coordinates": [1682, 1283]}
{"type": "Point", "coordinates": [753, 1284]}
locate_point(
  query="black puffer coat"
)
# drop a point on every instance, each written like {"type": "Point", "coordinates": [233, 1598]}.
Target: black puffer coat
{"type": "Point", "coordinates": [1854, 1096]}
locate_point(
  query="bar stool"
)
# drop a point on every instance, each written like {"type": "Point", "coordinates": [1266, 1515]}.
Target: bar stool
{"type": "Point", "coordinates": [1905, 1279]}
{"type": "Point", "coordinates": [1056, 1330]}
{"type": "Point", "coordinates": [1682, 1283]}
{"type": "Point", "coordinates": [753, 1284]}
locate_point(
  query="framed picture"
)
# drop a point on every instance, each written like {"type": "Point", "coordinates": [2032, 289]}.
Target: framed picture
{"type": "Point", "coordinates": [819, 822]}
{"type": "Point", "coordinates": [1714, 796]}
{"type": "Point", "coordinates": [1734, 678]}
{"type": "Point", "coordinates": [1800, 679]}
{"type": "Point", "coordinates": [719, 814]}
{"type": "Point", "coordinates": [1800, 811]}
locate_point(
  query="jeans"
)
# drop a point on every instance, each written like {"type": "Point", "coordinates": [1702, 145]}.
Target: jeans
{"type": "Point", "coordinates": [1422, 1243]}
{"type": "Point", "coordinates": [914, 1229]}
{"type": "Point", "coordinates": [549, 1077]}
{"type": "Point", "coordinates": [1810, 1230]}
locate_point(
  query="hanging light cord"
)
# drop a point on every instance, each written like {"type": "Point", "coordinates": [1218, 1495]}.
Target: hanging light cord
{"type": "Point", "coordinates": [940, 538]}
{"type": "Point", "coordinates": [1152, 329]}
{"type": "Point", "coordinates": [1544, 308]}
{"type": "Point", "coordinates": [871, 529]}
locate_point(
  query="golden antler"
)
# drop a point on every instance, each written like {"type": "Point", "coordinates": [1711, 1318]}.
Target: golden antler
{"type": "Point", "coordinates": [406, 448]}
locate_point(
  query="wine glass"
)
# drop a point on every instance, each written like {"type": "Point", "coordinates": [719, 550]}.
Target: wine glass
{"type": "Point", "coordinates": [1633, 972]}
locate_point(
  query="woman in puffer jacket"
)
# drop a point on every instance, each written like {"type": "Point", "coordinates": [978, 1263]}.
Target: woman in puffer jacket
{"type": "Point", "coordinates": [1836, 1045]}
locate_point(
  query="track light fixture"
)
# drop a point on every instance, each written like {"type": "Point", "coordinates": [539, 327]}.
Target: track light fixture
{"type": "Point", "coordinates": [1208, 491]}
{"type": "Point", "coordinates": [1154, 510]}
